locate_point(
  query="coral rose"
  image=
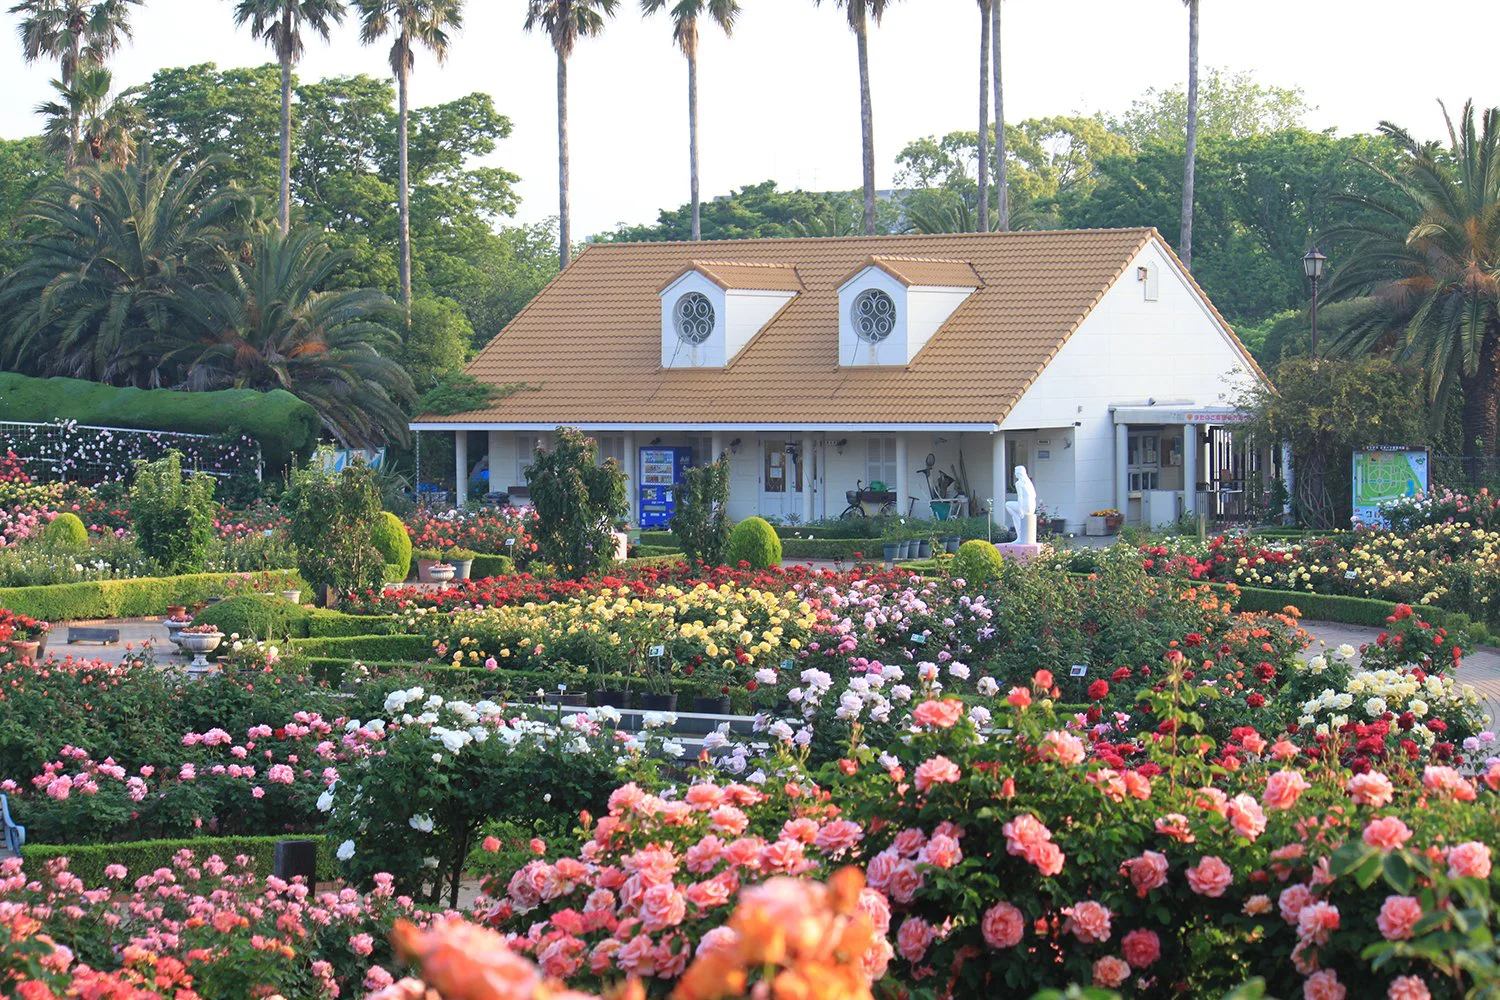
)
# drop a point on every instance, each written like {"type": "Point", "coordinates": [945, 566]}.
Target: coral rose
{"type": "Point", "coordinates": [939, 714]}
{"type": "Point", "coordinates": [1089, 922]}
{"type": "Point", "coordinates": [913, 939]}
{"type": "Point", "coordinates": [1003, 926]}
{"type": "Point", "coordinates": [1211, 877]}
{"type": "Point", "coordinates": [1387, 833]}
{"type": "Point", "coordinates": [662, 906]}
{"type": "Point", "coordinates": [1246, 816]}
{"type": "Point", "coordinates": [1398, 915]}
{"type": "Point", "coordinates": [938, 770]}
{"type": "Point", "coordinates": [1324, 985]}
{"type": "Point", "coordinates": [1283, 789]}
{"type": "Point", "coordinates": [1469, 860]}
{"type": "Point", "coordinates": [1147, 872]}
{"type": "Point", "coordinates": [1062, 747]}
{"type": "Point", "coordinates": [1110, 972]}
{"type": "Point", "coordinates": [1141, 948]}
{"type": "Point", "coordinates": [1371, 789]}
{"type": "Point", "coordinates": [941, 851]}
{"type": "Point", "coordinates": [1408, 988]}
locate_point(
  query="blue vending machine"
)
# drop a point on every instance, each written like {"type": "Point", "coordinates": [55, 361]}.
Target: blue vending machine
{"type": "Point", "coordinates": [661, 470]}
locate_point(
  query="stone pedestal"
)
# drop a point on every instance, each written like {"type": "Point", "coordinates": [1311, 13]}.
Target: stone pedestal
{"type": "Point", "coordinates": [1021, 552]}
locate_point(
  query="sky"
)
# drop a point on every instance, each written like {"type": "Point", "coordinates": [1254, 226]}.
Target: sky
{"type": "Point", "coordinates": [780, 99]}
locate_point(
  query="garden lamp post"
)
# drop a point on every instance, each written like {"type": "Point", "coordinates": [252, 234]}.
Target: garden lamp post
{"type": "Point", "coordinates": [1312, 266]}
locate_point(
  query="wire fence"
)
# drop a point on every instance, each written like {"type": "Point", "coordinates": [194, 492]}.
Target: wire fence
{"type": "Point", "coordinates": [71, 452]}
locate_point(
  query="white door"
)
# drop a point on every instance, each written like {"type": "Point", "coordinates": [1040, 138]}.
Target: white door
{"type": "Point", "coordinates": [780, 478]}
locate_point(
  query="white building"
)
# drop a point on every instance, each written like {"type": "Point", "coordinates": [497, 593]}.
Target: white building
{"type": "Point", "coordinates": [1091, 357]}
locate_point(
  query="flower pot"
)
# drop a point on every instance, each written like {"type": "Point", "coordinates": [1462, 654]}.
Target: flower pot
{"type": "Point", "coordinates": [951, 543]}
{"type": "Point", "coordinates": [1114, 522]}
{"type": "Point", "coordinates": [200, 644]}
{"type": "Point", "coordinates": [25, 649]}
{"type": "Point", "coordinates": [461, 568]}
{"type": "Point", "coordinates": [295, 596]}
{"type": "Point", "coordinates": [174, 629]}
{"type": "Point", "coordinates": [908, 549]}
{"type": "Point", "coordinates": [173, 610]}
{"type": "Point", "coordinates": [614, 699]}
{"type": "Point", "coordinates": [891, 551]}
{"type": "Point", "coordinates": [424, 569]}
{"type": "Point", "coordinates": [659, 702]}
{"type": "Point", "coordinates": [578, 699]}
{"type": "Point", "coordinates": [440, 572]}
{"type": "Point", "coordinates": [712, 705]}
{"type": "Point", "coordinates": [924, 549]}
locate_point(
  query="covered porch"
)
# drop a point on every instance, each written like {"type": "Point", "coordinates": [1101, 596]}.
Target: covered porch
{"type": "Point", "coordinates": [1174, 461]}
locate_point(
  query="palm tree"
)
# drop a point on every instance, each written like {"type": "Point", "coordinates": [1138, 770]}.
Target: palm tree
{"type": "Point", "coordinates": [114, 246]}
{"type": "Point", "coordinates": [1002, 189]}
{"type": "Point", "coordinates": [1185, 242]}
{"type": "Point", "coordinates": [685, 14]}
{"type": "Point", "coordinates": [1427, 264]}
{"type": "Point", "coordinates": [267, 323]}
{"type": "Point", "coordinates": [414, 22]}
{"type": "Point", "coordinates": [103, 125]}
{"type": "Point", "coordinates": [77, 33]}
{"type": "Point", "coordinates": [984, 116]}
{"type": "Point", "coordinates": [859, 14]}
{"type": "Point", "coordinates": [566, 21]}
{"type": "Point", "coordinates": [280, 23]}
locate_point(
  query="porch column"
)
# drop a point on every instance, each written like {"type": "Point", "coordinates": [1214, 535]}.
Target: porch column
{"type": "Point", "coordinates": [1286, 475]}
{"type": "Point", "coordinates": [497, 482]}
{"type": "Point", "coordinates": [461, 468]}
{"type": "Point", "coordinates": [807, 479]}
{"type": "Point", "coordinates": [1122, 467]}
{"type": "Point", "coordinates": [716, 445]}
{"type": "Point", "coordinates": [631, 460]}
{"type": "Point", "coordinates": [998, 487]}
{"type": "Point", "coordinates": [900, 484]}
{"type": "Point", "coordinates": [1190, 467]}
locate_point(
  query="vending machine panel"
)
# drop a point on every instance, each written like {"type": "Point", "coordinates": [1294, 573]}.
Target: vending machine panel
{"type": "Point", "coordinates": [661, 469]}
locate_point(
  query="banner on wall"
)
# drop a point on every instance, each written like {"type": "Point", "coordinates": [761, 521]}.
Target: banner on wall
{"type": "Point", "coordinates": [334, 459]}
{"type": "Point", "coordinates": [1383, 473]}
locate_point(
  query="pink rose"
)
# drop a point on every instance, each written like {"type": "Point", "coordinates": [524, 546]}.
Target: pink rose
{"type": "Point", "coordinates": [1283, 789]}
{"type": "Point", "coordinates": [941, 852]}
{"type": "Point", "coordinates": [1003, 926]}
{"type": "Point", "coordinates": [704, 796]}
{"type": "Point", "coordinates": [938, 770]}
{"type": "Point", "coordinates": [730, 820]}
{"type": "Point", "coordinates": [1387, 833]}
{"type": "Point", "coordinates": [1110, 972]}
{"type": "Point", "coordinates": [1089, 922]}
{"type": "Point", "coordinates": [909, 843]}
{"type": "Point", "coordinates": [1371, 789]}
{"type": "Point", "coordinates": [1469, 860]}
{"type": "Point", "coordinates": [840, 836]}
{"type": "Point", "coordinates": [1408, 988]}
{"type": "Point", "coordinates": [1324, 985]}
{"type": "Point", "coordinates": [1062, 747]}
{"type": "Point", "coordinates": [783, 856]}
{"type": "Point", "coordinates": [1398, 915]}
{"type": "Point", "coordinates": [1018, 697]}
{"type": "Point", "coordinates": [1257, 905]}
{"type": "Point", "coordinates": [1246, 816]}
{"type": "Point", "coordinates": [1317, 922]}
{"type": "Point", "coordinates": [904, 882]}
{"type": "Point", "coordinates": [1446, 781]}
{"type": "Point", "coordinates": [1141, 948]}
{"type": "Point", "coordinates": [1210, 878]}
{"type": "Point", "coordinates": [914, 938]}
{"type": "Point", "coordinates": [1147, 872]}
{"type": "Point", "coordinates": [1292, 900]}
{"type": "Point", "coordinates": [875, 906]}
{"type": "Point", "coordinates": [939, 714]}
{"type": "Point", "coordinates": [662, 906]}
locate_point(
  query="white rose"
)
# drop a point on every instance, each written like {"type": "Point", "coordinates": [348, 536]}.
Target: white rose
{"type": "Point", "coordinates": [345, 851]}
{"type": "Point", "coordinates": [422, 823]}
{"type": "Point", "coordinates": [325, 801]}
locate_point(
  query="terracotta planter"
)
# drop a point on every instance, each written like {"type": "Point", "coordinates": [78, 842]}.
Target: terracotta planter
{"type": "Point", "coordinates": [424, 569]}
{"type": "Point", "coordinates": [25, 649]}
{"type": "Point", "coordinates": [174, 610]}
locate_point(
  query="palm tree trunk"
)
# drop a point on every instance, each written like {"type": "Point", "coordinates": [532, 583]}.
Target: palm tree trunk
{"type": "Point", "coordinates": [564, 230]}
{"type": "Point", "coordinates": [284, 209]}
{"type": "Point", "coordinates": [692, 61]}
{"type": "Point", "coordinates": [984, 116]}
{"type": "Point", "coordinates": [75, 108]}
{"type": "Point", "coordinates": [866, 123]}
{"type": "Point", "coordinates": [1481, 417]}
{"type": "Point", "coordinates": [1185, 242]}
{"type": "Point", "coordinates": [405, 195]}
{"type": "Point", "coordinates": [1002, 190]}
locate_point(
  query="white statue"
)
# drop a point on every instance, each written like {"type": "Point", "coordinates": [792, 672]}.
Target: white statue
{"type": "Point", "coordinates": [1023, 508]}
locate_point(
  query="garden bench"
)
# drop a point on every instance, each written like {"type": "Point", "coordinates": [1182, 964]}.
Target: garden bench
{"type": "Point", "coordinates": [15, 834]}
{"type": "Point", "coordinates": [108, 636]}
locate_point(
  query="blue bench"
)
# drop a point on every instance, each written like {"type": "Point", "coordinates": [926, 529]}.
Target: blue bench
{"type": "Point", "coordinates": [15, 834]}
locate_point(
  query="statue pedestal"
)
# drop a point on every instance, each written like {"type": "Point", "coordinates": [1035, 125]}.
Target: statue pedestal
{"type": "Point", "coordinates": [1021, 552]}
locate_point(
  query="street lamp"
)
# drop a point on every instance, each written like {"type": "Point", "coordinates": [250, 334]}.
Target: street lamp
{"type": "Point", "coordinates": [1312, 266]}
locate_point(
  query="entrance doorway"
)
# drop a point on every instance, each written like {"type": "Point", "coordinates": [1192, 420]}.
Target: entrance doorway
{"type": "Point", "coordinates": [781, 481]}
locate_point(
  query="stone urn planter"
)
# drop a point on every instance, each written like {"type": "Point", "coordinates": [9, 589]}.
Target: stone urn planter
{"type": "Point", "coordinates": [295, 596]}
{"type": "Point", "coordinates": [174, 627]}
{"type": "Point", "coordinates": [200, 644]}
{"type": "Point", "coordinates": [441, 572]}
{"type": "Point", "coordinates": [462, 569]}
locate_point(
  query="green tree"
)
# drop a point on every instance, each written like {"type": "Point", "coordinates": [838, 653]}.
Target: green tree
{"type": "Point", "coordinates": [172, 515]}
{"type": "Point", "coordinates": [201, 112]}
{"type": "Point", "coordinates": [414, 23]}
{"type": "Point", "coordinates": [280, 24]}
{"type": "Point", "coordinates": [1429, 264]}
{"type": "Point", "coordinates": [267, 322]}
{"type": "Point", "coordinates": [437, 342]}
{"type": "Point", "coordinates": [565, 22]}
{"type": "Point", "coordinates": [577, 501]}
{"type": "Point", "coordinates": [685, 15]}
{"type": "Point", "coordinates": [757, 211]}
{"type": "Point", "coordinates": [333, 521]}
{"type": "Point", "coordinates": [859, 13]}
{"type": "Point", "coordinates": [701, 519]}
{"type": "Point", "coordinates": [24, 168]}
{"type": "Point", "coordinates": [78, 34]}
{"type": "Point", "coordinates": [113, 249]}
{"type": "Point", "coordinates": [1230, 106]}
{"type": "Point", "coordinates": [89, 122]}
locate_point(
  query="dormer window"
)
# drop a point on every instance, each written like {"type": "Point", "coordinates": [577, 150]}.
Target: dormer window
{"type": "Point", "coordinates": [712, 309]}
{"type": "Point", "coordinates": [873, 315]}
{"type": "Point", "coordinates": [693, 318]}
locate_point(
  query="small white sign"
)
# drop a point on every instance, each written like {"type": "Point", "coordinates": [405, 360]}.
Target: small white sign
{"type": "Point", "coordinates": [658, 650]}
{"type": "Point", "coordinates": [510, 541]}
{"type": "Point", "coordinates": [1079, 670]}
{"type": "Point", "coordinates": [919, 638]}
{"type": "Point", "coordinates": [1351, 574]}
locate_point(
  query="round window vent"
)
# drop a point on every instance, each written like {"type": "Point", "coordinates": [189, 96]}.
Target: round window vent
{"type": "Point", "coordinates": [693, 317]}
{"type": "Point", "coordinates": [873, 315]}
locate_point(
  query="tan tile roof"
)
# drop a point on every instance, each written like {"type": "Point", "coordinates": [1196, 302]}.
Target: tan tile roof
{"type": "Point", "coordinates": [591, 340]}
{"type": "Point", "coordinates": [735, 274]}
{"type": "Point", "coordinates": [924, 271]}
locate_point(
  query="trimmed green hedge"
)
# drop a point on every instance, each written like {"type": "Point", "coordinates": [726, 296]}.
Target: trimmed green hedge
{"type": "Point", "coordinates": [368, 647]}
{"type": "Point", "coordinates": [642, 551]}
{"type": "Point", "coordinates": [831, 548]}
{"type": "Point", "coordinates": [325, 623]}
{"type": "Point", "coordinates": [1350, 610]}
{"type": "Point", "coordinates": [491, 566]}
{"type": "Point", "coordinates": [641, 561]}
{"type": "Point", "coordinates": [285, 426]}
{"type": "Point", "coordinates": [115, 598]}
{"type": "Point", "coordinates": [141, 857]}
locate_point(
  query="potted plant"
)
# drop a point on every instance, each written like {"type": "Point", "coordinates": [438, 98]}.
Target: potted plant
{"type": "Point", "coordinates": [425, 560]}
{"type": "Point", "coordinates": [462, 561]}
{"type": "Point", "coordinates": [176, 622]}
{"type": "Point", "coordinates": [572, 699]}
{"type": "Point", "coordinates": [614, 697]}
{"type": "Point", "coordinates": [441, 572]}
{"type": "Point", "coordinates": [200, 640]}
{"type": "Point", "coordinates": [890, 550]}
{"type": "Point", "coordinates": [951, 543]}
{"type": "Point", "coordinates": [173, 610]}
{"type": "Point", "coordinates": [295, 596]}
{"type": "Point", "coordinates": [23, 634]}
{"type": "Point", "coordinates": [924, 548]}
{"type": "Point", "coordinates": [1104, 522]}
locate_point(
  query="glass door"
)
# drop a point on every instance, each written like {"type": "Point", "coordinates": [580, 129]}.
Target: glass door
{"type": "Point", "coordinates": [780, 478]}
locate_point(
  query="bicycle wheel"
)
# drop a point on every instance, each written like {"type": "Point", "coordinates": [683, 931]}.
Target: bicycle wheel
{"type": "Point", "coordinates": [888, 508]}
{"type": "Point", "coordinates": [851, 512]}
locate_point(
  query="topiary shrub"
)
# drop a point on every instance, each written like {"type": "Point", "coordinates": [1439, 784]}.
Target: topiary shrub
{"type": "Point", "coordinates": [173, 514]}
{"type": "Point", "coordinates": [258, 616]}
{"type": "Point", "coordinates": [577, 501]}
{"type": "Point", "coordinates": [701, 521]}
{"type": "Point", "coordinates": [66, 530]}
{"type": "Point", "coordinates": [753, 541]}
{"type": "Point", "coordinates": [977, 562]}
{"type": "Point", "coordinates": [333, 516]}
{"type": "Point", "coordinates": [394, 545]}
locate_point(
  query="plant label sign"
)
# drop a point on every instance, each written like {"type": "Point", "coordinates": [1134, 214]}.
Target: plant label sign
{"type": "Point", "coordinates": [510, 541]}
{"type": "Point", "coordinates": [658, 651]}
{"type": "Point", "coordinates": [918, 639]}
{"type": "Point", "coordinates": [1079, 670]}
{"type": "Point", "coordinates": [1351, 574]}
{"type": "Point", "coordinates": [786, 664]}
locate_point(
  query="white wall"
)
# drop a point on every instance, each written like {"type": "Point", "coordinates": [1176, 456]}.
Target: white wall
{"type": "Point", "coordinates": [1128, 350]}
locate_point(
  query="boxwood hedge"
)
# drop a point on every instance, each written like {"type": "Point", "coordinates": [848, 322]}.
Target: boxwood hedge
{"type": "Point", "coordinates": [148, 595]}
{"type": "Point", "coordinates": [141, 857]}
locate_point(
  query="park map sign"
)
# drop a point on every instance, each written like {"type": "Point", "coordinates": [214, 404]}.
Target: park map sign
{"type": "Point", "coordinates": [1383, 474]}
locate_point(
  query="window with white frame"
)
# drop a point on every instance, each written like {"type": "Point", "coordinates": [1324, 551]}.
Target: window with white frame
{"type": "Point", "coordinates": [611, 446]}
{"type": "Point", "coordinates": [880, 461]}
{"type": "Point", "coordinates": [1143, 460]}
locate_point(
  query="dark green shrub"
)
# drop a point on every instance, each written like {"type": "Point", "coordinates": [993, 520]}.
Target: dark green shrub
{"type": "Point", "coordinates": [753, 541]}
{"type": "Point", "coordinates": [132, 598]}
{"type": "Point", "coordinates": [334, 515]}
{"type": "Point", "coordinates": [256, 616]}
{"type": "Point", "coordinates": [173, 514]}
{"type": "Point", "coordinates": [66, 530]}
{"type": "Point", "coordinates": [380, 648]}
{"type": "Point", "coordinates": [141, 857]}
{"type": "Point", "coordinates": [977, 562]}
{"type": "Point", "coordinates": [394, 544]}
{"type": "Point", "coordinates": [577, 502]}
{"type": "Point", "coordinates": [701, 521]}
{"type": "Point", "coordinates": [491, 566]}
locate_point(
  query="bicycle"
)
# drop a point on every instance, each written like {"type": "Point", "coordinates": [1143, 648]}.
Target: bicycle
{"type": "Point", "coordinates": [859, 496]}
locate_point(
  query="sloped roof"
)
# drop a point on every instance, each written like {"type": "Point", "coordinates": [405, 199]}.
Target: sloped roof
{"type": "Point", "coordinates": [734, 274]}
{"type": "Point", "coordinates": [922, 271]}
{"type": "Point", "coordinates": [589, 344]}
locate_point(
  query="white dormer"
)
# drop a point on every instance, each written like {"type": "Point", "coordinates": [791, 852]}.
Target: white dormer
{"type": "Point", "coordinates": [890, 307]}
{"type": "Point", "coordinates": [711, 310]}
